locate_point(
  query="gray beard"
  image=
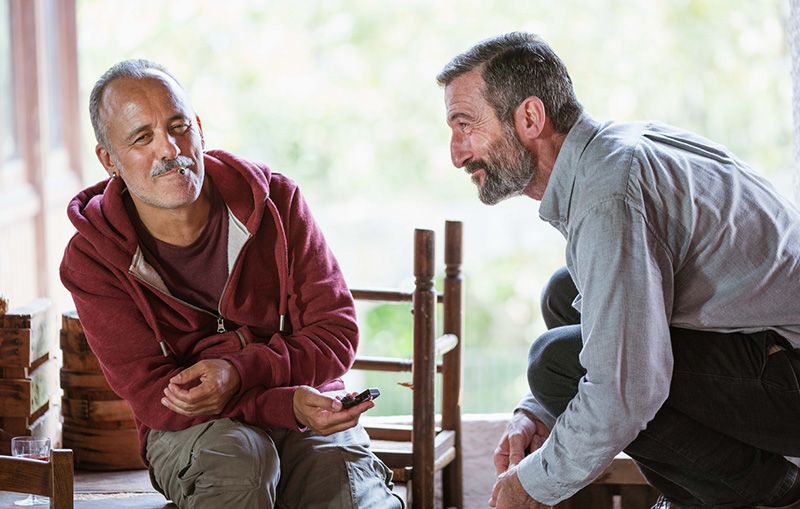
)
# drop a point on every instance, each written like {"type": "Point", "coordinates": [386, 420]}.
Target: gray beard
{"type": "Point", "coordinates": [508, 169]}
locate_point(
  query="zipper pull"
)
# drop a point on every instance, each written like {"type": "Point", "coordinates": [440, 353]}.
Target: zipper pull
{"type": "Point", "coordinates": [220, 325]}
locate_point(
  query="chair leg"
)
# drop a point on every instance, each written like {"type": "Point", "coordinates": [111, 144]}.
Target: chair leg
{"type": "Point", "coordinates": [452, 474]}
{"type": "Point", "coordinates": [424, 369]}
{"type": "Point", "coordinates": [61, 478]}
{"type": "Point", "coordinates": [453, 483]}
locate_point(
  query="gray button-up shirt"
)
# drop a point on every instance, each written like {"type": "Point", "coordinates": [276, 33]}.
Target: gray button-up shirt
{"type": "Point", "coordinates": [663, 228]}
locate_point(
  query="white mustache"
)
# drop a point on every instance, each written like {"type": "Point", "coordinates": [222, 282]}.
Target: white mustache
{"type": "Point", "coordinates": [163, 167]}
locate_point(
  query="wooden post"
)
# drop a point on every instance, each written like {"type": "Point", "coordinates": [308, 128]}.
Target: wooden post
{"type": "Point", "coordinates": [422, 486]}
{"type": "Point", "coordinates": [61, 479]}
{"type": "Point", "coordinates": [452, 485]}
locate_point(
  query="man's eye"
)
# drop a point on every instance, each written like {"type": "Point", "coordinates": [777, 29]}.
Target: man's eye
{"type": "Point", "coordinates": [142, 139]}
{"type": "Point", "coordinates": [463, 126]}
{"type": "Point", "coordinates": [181, 127]}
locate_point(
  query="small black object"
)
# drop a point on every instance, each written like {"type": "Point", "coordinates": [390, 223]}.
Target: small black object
{"type": "Point", "coordinates": [367, 395]}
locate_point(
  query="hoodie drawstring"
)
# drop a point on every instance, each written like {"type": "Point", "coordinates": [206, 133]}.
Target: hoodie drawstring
{"type": "Point", "coordinates": [282, 255]}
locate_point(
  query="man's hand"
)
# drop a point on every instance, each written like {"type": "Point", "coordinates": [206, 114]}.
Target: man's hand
{"type": "Point", "coordinates": [323, 413]}
{"type": "Point", "coordinates": [219, 381]}
{"type": "Point", "coordinates": [508, 493]}
{"type": "Point", "coordinates": [523, 432]}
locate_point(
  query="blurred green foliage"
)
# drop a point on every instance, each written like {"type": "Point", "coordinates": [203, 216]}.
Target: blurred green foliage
{"type": "Point", "coordinates": [341, 96]}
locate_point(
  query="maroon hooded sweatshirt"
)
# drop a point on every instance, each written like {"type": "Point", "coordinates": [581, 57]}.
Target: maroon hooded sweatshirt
{"type": "Point", "coordinates": [286, 316]}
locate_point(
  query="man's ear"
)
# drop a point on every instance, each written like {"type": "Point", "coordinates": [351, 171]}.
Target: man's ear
{"type": "Point", "coordinates": [200, 128]}
{"type": "Point", "coordinates": [529, 118]}
{"type": "Point", "coordinates": [104, 156]}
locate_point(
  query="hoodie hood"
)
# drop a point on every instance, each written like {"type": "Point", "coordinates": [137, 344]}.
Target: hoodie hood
{"type": "Point", "coordinates": [99, 215]}
{"type": "Point", "coordinates": [251, 182]}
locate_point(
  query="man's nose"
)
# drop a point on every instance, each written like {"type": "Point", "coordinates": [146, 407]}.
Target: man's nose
{"type": "Point", "coordinates": [460, 151]}
{"type": "Point", "coordinates": [169, 148]}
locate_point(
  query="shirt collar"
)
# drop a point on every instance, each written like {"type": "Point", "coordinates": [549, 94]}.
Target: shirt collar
{"type": "Point", "coordinates": [555, 204]}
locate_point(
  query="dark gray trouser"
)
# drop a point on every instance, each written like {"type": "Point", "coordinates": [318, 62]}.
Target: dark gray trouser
{"type": "Point", "coordinates": [224, 464]}
{"type": "Point", "coordinates": [733, 410]}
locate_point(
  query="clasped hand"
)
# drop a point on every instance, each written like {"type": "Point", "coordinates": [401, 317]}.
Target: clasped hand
{"type": "Point", "coordinates": [218, 382]}
{"type": "Point", "coordinates": [523, 432]}
{"type": "Point", "coordinates": [323, 413]}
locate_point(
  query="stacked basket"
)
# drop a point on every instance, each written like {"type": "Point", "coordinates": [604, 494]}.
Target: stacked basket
{"type": "Point", "coordinates": [98, 424]}
{"type": "Point", "coordinates": [28, 375]}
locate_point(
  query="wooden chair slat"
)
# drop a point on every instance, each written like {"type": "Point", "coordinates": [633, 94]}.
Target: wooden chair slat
{"type": "Point", "coordinates": [399, 432]}
{"type": "Point", "coordinates": [381, 295]}
{"type": "Point", "coordinates": [383, 364]}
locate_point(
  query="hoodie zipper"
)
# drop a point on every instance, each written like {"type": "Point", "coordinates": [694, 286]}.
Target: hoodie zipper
{"type": "Point", "coordinates": [161, 342]}
{"type": "Point", "coordinates": [220, 320]}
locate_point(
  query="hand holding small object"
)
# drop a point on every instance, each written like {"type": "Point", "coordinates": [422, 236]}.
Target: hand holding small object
{"type": "Point", "coordinates": [353, 399]}
{"type": "Point", "coordinates": [325, 414]}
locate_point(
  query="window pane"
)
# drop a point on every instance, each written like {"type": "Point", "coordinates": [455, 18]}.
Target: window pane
{"type": "Point", "coordinates": [54, 80]}
{"type": "Point", "coordinates": [8, 142]}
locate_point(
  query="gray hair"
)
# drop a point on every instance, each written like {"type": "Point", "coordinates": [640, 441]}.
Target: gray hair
{"type": "Point", "coordinates": [134, 68]}
{"type": "Point", "coordinates": [514, 67]}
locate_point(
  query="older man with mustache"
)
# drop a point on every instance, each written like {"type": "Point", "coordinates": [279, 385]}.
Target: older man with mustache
{"type": "Point", "coordinates": [216, 309]}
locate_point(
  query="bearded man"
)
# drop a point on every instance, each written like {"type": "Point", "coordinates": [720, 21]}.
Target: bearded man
{"type": "Point", "coordinates": [673, 329]}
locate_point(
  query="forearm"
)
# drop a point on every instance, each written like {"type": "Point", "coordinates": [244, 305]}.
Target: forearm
{"type": "Point", "coordinates": [313, 356]}
{"type": "Point", "coordinates": [265, 408]}
{"type": "Point", "coordinates": [270, 407]}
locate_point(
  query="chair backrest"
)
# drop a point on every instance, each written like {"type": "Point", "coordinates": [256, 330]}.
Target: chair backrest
{"type": "Point", "coordinates": [430, 451]}
{"type": "Point", "coordinates": [51, 478]}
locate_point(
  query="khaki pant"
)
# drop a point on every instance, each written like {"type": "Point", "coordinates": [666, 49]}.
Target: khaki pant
{"type": "Point", "coordinates": [225, 464]}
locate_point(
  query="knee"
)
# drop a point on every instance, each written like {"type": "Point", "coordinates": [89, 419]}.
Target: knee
{"type": "Point", "coordinates": [338, 470]}
{"type": "Point", "coordinates": [236, 456]}
{"type": "Point", "coordinates": [541, 356]}
{"type": "Point", "coordinates": [242, 441]}
{"type": "Point", "coordinates": [556, 301]}
{"type": "Point", "coordinates": [554, 367]}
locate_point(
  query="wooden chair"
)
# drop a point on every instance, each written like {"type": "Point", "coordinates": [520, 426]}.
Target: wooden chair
{"type": "Point", "coordinates": [45, 478]}
{"type": "Point", "coordinates": [416, 453]}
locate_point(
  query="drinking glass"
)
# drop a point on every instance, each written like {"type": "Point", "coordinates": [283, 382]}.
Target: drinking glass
{"type": "Point", "coordinates": [34, 448]}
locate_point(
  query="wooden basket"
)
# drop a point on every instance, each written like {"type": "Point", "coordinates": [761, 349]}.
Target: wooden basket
{"type": "Point", "coordinates": [98, 425]}
{"type": "Point", "coordinates": [28, 375]}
